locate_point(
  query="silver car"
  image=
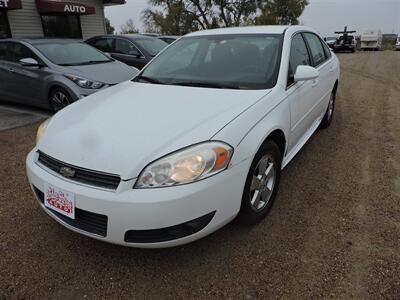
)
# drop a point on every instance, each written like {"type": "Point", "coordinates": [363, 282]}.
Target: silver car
{"type": "Point", "coordinates": [52, 73]}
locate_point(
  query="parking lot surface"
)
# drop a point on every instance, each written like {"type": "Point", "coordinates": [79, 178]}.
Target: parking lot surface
{"type": "Point", "coordinates": [12, 116]}
{"type": "Point", "coordinates": [334, 231]}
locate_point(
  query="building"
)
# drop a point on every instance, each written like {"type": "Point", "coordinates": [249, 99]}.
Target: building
{"type": "Point", "coordinates": [53, 18]}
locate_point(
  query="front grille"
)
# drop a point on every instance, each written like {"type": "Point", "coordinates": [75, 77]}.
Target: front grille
{"type": "Point", "coordinates": [98, 179]}
{"type": "Point", "coordinates": [84, 220]}
{"type": "Point", "coordinates": [168, 233]}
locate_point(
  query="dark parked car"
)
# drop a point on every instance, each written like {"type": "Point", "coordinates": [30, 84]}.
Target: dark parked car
{"type": "Point", "coordinates": [133, 49]}
{"type": "Point", "coordinates": [52, 73]}
{"type": "Point", "coordinates": [169, 38]}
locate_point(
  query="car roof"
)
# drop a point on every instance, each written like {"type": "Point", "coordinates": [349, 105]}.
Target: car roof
{"type": "Point", "coordinates": [169, 36]}
{"type": "Point", "coordinates": [40, 40]}
{"type": "Point", "coordinates": [278, 29]}
{"type": "Point", "coordinates": [128, 36]}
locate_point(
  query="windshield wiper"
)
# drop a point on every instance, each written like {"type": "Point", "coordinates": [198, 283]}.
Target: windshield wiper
{"type": "Point", "coordinates": [148, 79]}
{"type": "Point", "coordinates": [205, 84]}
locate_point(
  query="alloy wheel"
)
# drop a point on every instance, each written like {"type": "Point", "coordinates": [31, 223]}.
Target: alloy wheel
{"type": "Point", "coordinates": [59, 100]}
{"type": "Point", "coordinates": [262, 184]}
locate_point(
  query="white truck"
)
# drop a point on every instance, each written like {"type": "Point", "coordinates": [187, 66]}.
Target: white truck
{"type": "Point", "coordinates": [397, 47]}
{"type": "Point", "coordinates": [371, 39]}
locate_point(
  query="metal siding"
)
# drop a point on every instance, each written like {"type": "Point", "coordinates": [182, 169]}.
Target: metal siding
{"type": "Point", "coordinates": [93, 24]}
{"type": "Point", "coordinates": [26, 22]}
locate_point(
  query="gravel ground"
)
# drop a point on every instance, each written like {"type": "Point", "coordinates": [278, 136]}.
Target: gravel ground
{"type": "Point", "coordinates": [334, 231]}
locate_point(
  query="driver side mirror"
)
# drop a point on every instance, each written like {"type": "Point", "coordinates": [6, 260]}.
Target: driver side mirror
{"type": "Point", "coordinates": [30, 62]}
{"type": "Point", "coordinates": [304, 73]}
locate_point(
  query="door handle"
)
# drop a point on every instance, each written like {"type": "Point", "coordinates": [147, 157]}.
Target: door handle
{"type": "Point", "coordinates": [11, 70]}
{"type": "Point", "coordinates": [314, 83]}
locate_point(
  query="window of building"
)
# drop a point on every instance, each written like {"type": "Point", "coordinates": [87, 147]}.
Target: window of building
{"type": "Point", "coordinates": [62, 26]}
{"type": "Point", "coordinates": [4, 26]}
{"type": "Point", "coordinates": [298, 56]}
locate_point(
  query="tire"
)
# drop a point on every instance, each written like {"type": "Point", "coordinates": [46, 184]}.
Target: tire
{"type": "Point", "coordinates": [58, 99]}
{"type": "Point", "coordinates": [258, 185]}
{"type": "Point", "coordinates": [327, 120]}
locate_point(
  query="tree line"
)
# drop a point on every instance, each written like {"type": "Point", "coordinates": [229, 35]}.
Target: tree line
{"type": "Point", "coordinates": [178, 17]}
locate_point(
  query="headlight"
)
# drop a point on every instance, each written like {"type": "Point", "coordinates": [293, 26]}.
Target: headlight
{"type": "Point", "coordinates": [42, 129]}
{"type": "Point", "coordinates": [85, 83]}
{"type": "Point", "coordinates": [187, 165]}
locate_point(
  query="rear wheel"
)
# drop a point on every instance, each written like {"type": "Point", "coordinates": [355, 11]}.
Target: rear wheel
{"type": "Point", "coordinates": [262, 184]}
{"type": "Point", "coordinates": [58, 99]}
{"type": "Point", "coordinates": [327, 120]}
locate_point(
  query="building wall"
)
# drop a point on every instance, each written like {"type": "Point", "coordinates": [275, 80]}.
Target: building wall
{"type": "Point", "coordinates": [26, 22]}
{"type": "Point", "coordinates": [93, 24]}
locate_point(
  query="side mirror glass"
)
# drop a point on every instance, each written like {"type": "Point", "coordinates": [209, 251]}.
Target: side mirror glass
{"type": "Point", "coordinates": [304, 73]}
{"type": "Point", "coordinates": [30, 62]}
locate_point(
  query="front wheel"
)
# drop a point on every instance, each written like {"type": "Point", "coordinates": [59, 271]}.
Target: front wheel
{"type": "Point", "coordinates": [58, 99]}
{"type": "Point", "coordinates": [262, 184]}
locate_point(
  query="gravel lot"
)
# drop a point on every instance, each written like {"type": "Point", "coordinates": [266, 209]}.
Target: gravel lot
{"type": "Point", "coordinates": [334, 231]}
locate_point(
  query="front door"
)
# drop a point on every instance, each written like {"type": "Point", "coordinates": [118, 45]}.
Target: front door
{"type": "Point", "coordinates": [26, 83]}
{"type": "Point", "coordinates": [301, 95]}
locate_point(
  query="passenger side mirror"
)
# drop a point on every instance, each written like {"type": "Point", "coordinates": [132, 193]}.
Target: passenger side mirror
{"type": "Point", "coordinates": [30, 62]}
{"type": "Point", "coordinates": [304, 73]}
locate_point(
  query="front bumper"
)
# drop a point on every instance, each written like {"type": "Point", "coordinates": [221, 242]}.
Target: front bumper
{"type": "Point", "coordinates": [140, 210]}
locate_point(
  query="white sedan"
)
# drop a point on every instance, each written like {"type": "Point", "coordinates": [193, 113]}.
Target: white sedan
{"type": "Point", "coordinates": [199, 137]}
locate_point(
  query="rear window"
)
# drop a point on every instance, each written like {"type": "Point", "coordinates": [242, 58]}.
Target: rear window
{"type": "Point", "coordinates": [152, 46]}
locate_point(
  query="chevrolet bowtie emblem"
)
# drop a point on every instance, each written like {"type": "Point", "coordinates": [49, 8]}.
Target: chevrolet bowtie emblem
{"type": "Point", "coordinates": [67, 172]}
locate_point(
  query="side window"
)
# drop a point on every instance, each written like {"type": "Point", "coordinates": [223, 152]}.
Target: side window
{"type": "Point", "coordinates": [125, 47]}
{"type": "Point", "coordinates": [328, 53]}
{"type": "Point", "coordinates": [317, 50]}
{"type": "Point", "coordinates": [18, 51]}
{"type": "Point", "coordinates": [4, 54]}
{"type": "Point", "coordinates": [105, 45]}
{"type": "Point", "coordinates": [298, 56]}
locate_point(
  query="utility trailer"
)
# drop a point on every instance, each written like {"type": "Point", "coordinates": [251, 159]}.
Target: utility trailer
{"type": "Point", "coordinates": [371, 39]}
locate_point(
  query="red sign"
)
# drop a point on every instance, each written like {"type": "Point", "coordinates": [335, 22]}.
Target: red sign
{"type": "Point", "coordinates": [49, 6]}
{"type": "Point", "coordinates": [10, 4]}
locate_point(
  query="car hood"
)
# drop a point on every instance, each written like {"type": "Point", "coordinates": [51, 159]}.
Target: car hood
{"type": "Point", "coordinates": [123, 128]}
{"type": "Point", "coordinates": [109, 73]}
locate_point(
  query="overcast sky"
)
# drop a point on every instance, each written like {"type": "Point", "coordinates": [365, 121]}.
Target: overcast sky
{"type": "Point", "coordinates": [326, 16]}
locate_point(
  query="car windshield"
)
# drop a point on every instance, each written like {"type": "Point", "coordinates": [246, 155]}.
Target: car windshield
{"type": "Point", "coordinates": [72, 54]}
{"type": "Point", "coordinates": [153, 45]}
{"type": "Point", "coordinates": [237, 61]}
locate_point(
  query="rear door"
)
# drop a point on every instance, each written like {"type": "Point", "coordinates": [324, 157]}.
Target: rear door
{"type": "Point", "coordinates": [321, 60]}
{"type": "Point", "coordinates": [128, 53]}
